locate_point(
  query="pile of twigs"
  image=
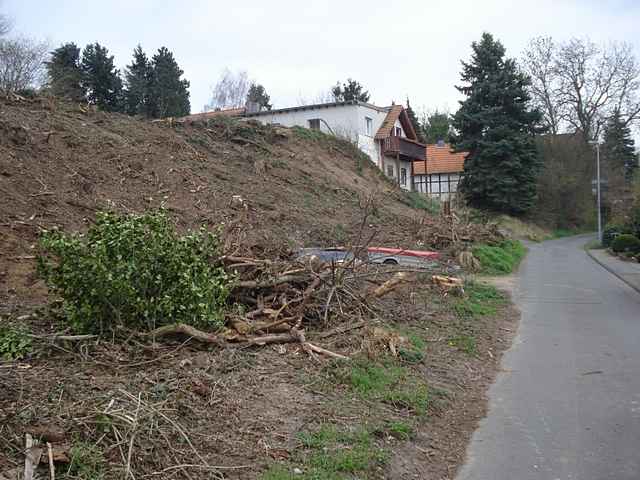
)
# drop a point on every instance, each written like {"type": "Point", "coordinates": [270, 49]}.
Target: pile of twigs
{"type": "Point", "coordinates": [285, 297]}
{"type": "Point", "coordinates": [455, 231]}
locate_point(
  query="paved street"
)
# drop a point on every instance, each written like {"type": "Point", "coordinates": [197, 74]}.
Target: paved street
{"type": "Point", "coordinates": [566, 404]}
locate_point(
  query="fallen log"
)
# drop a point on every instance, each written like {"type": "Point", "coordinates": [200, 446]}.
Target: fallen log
{"type": "Point", "coordinates": [184, 329]}
{"type": "Point", "coordinates": [389, 285]}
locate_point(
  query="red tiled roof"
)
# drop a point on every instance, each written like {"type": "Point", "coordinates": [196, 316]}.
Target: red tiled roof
{"type": "Point", "coordinates": [440, 159]}
{"type": "Point", "coordinates": [396, 112]}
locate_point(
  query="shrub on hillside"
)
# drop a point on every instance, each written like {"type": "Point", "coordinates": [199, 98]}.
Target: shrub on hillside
{"type": "Point", "coordinates": [135, 271]}
{"type": "Point", "coordinates": [611, 231]}
{"type": "Point", "coordinates": [500, 259]}
{"type": "Point", "coordinates": [626, 243]}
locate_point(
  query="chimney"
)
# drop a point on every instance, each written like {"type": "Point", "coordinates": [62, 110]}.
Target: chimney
{"type": "Point", "coordinates": [440, 143]}
{"type": "Point", "coordinates": [252, 107]}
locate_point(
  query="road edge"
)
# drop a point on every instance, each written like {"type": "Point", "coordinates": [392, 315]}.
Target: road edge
{"type": "Point", "coordinates": [611, 271]}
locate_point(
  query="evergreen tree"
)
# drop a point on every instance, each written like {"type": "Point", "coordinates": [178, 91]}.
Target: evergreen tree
{"type": "Point", "coordinates": [257, 94]}
{"type": "Point", "coordinates": [100, 79]}
{"type": "Point", "coordinates": [437, 126]}
{"type": "Point", "coordinates": [496, 126]}
{"type": "Point", "coordinates": [65, 75]}
{"type": "Point", "coordinates": [138, 79]}
{"type": "Point", "coordinates": [169, 95]}
{"type": "Point", "coordinates": [618, 147]}
{"type": "Point", "coordinates": [350, 91]}
{"type": "Point", "coordinates": [415, 122]}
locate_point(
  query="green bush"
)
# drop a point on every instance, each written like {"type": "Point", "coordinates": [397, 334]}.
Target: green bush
{"type": "Point", "coordinates": [611, 231]}
{"type": "Point", "coordinates": [135, 271]}
{"type": "Point", "coordinates": [420, 201]}
{"type": "Point", "coordinates": [500, 259]}
{"type": "Point", "coordinates": [626, 243]}
{"type": "Point", "coordinates": [15, 343]}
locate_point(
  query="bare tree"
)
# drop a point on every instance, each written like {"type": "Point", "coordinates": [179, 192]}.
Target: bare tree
{"type": "Point", "coordinates": [595, 81]}
{"type": "Point", "coordinates": [579, 85]}
{"type": "Point", "coordinates": [540, 64]}
{"type": "Point", "coordinates": [22, 64]}
{"type": "Point", "coordinates": [5, 24]}
{"type": "Point", "coordinates": [230, 91]}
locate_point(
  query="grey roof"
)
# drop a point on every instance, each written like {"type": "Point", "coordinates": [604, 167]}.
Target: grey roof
{"type": "Point", "coordinates": [317, 106]}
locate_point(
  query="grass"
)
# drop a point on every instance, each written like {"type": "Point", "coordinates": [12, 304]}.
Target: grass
{"type": "Point", "coordinates": [419, 201]}
{"type": "Point", "coordinates": [387, 383]}
{"type": "Point", "coordinates": [478, 301]}
{"type": "Point", "coordinates": [400, 430]}
{"type": "Point", "coordinates": [500, 259]}
{"type": "Point", "coordinates": [593, 244]}
{"type": "Point", "coordinates": [567, 232]}
{"type": "Point", "coordinates": [87, 461]}
{"type": "Point", "coordinates": [332, 453]}
{"type": "Point", "coordinates": [465, 343]}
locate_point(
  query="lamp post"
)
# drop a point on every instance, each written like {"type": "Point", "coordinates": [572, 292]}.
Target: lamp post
{"type": "Point", "coordinates": [597, 144]}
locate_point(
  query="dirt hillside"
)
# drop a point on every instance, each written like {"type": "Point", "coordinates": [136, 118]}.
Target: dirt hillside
{"type": "Point", "coordinates": [415, 356]}
{"type": "Point", "coordinates": [271, 188]}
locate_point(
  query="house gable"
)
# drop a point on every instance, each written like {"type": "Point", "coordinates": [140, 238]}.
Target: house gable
{"type": "Point", "coordinates": [397, 113]}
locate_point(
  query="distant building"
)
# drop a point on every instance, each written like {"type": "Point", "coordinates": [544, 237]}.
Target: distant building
{"type": "Point", "coordinates": [384, 133]}
{"type": "Point", "coordinates": [439, 174]}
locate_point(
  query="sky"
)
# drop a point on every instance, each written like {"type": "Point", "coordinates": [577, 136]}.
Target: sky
{"type": "Point", "coordinates": [397, 49]}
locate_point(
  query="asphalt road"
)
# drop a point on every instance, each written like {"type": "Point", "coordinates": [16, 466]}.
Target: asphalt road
{"type": "Point", "coordinates": [566, 404]}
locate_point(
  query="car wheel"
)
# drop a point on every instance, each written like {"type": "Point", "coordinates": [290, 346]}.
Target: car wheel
{"type": "Point", "coordinates": [390, 261]}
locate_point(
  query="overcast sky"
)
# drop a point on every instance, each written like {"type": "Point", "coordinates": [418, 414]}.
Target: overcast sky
{"type": "Point", "coordinates": [298, 49]}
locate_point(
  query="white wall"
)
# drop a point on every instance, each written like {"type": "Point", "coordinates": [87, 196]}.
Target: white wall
{"type": "Point", "coordinates": [342, 119]}
{"type": "Point", "coordinates": [392, 168]}
{"type": "Point", "coordinates": [366, 142]}
{"type": "Point", "coordinates": [347, 121]}
{"type": "Point", "coordinates": [442, 185]}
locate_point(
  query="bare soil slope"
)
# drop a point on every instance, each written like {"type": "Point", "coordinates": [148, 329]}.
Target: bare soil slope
{"type": "Point", "coordinates": [271, 188]}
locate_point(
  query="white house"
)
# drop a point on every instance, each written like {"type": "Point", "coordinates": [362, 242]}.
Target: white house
{"type": "Point", "coordinates": [440, 172]}
{"type": "Point", "coordinates": [384, 133]}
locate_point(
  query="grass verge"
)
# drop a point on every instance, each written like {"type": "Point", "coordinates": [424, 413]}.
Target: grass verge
{"type": "Point", "coordinates": [479, 300]}
{"type": "Point", "coordinates": [332, 453]}
{"type": "Point", "coordinates": [500, 259]}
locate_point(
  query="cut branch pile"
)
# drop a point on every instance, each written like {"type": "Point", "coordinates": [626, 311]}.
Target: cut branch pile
{"type": "Point", "coordinates": [455, 231]}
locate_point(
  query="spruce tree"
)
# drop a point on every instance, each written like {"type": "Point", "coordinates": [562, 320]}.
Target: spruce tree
{"type": "Point", "coordinates": [258, 94]}
{"type": "Point", "coordinates": [169, 95]}
{"type": "Point", "coordinates": [100, 78]}
{"type": "Point", "coordinates": [437, 126]}
{"type": "Point", "coordinates": [496, 126]}
{"type": "Point", "coordinates": [619, 147]}
{"type": "Point", "coordinates": [415, 122]}
{"type": "Point", "coordinates": [138, 79]}
{"type": "Point", "coordinates": [350, 91]}
{"type": "Point", "coordinates": [64, 73]}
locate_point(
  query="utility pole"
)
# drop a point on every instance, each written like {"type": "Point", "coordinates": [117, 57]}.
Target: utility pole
{"type": "Point", "coordinates": [597, 144]}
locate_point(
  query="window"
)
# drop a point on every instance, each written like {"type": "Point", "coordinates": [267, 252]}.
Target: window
{"type": "Point", "coordinates": [368, 125]}
{"type": "Point", "coordinates": [398, 132]}
{"type": "Point", "coordinates": [390, 171]}
{"type": "Point", "coordinates": [403, 177]}
{"type": "Point", "coordinates": [314, 124]}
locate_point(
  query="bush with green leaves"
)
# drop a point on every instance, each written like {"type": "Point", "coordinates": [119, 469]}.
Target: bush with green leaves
{"type": "Point", "coordinates": [626, 243]}
{"type": "Point", "coordinates": [15, 342]}
{"type": "Point", "coordinates": [135, 271]}
{"type": "Point", "coordinates": [611, 231]}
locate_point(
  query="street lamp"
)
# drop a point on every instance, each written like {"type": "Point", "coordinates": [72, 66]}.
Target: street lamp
{"type": "Point", "coordinates": [597, 144]}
